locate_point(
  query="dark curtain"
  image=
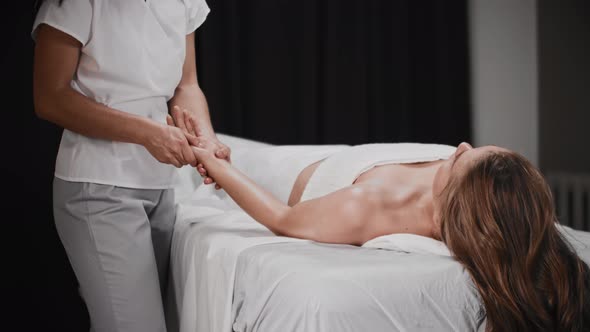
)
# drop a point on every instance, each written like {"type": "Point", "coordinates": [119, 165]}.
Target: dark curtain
{"type": "Point", "coordinates": [333, 71]}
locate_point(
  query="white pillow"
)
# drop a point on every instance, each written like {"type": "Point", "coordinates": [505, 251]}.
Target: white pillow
{"type": "Point", "coordinates": [409, 243]}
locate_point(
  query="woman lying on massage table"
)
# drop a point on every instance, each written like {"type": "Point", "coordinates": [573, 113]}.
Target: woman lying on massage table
{"type": "Point", "coordinates": [489, 205]}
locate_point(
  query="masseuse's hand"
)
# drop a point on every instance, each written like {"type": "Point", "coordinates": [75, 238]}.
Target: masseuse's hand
{"type": "Point", "coordinates": [203, 143]}
{"type": "Point", "coordinates": [188, 123]}
{"type": "Point", "coordinates": [170, 145]}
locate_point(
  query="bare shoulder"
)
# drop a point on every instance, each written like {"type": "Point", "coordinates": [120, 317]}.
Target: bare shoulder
{"type": "Point", "coordinates": [364, 197]}
{"type": "Point", "coordinates": [361, 203]}
{"type": "Point", "coordinates": [344, 216]}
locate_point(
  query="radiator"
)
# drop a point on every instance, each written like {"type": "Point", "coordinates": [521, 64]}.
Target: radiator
{"type": "Point", "coordinates": [571, 192]}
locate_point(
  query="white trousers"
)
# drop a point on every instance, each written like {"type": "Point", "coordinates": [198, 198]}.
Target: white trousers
{"type": "Point", "coordinates": [118, 243]}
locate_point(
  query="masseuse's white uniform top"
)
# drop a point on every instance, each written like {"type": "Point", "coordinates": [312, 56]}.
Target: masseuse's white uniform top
{"type": "Point", "coordinates": [132, 57]}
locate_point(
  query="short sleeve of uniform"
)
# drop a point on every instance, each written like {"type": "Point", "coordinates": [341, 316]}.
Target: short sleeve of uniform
{"type": "Point", "coordinates": [72, 17]}
{"type": "Point", "coordinates": [196, 13]}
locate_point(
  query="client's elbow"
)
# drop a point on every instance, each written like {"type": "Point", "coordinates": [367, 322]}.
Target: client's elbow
{"type": "Point", "coordinates": [280, 221]}
{"type": "Point", "coordinates": [289, 224]}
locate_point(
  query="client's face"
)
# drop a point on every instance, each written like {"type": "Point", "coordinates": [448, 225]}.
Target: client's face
{"type": "Point", "coordinates": [458, 164]}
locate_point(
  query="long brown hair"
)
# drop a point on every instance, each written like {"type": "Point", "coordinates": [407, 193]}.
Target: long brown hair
{"type": "Point", "coordinates": [498, 219]}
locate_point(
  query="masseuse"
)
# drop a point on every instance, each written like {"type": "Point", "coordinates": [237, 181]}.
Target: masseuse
{"type": "Point", "coordinates": [110, 72]}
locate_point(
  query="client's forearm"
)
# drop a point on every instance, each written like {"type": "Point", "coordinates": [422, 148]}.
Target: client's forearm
{"type": "Point", "coordinates": [255, 200]}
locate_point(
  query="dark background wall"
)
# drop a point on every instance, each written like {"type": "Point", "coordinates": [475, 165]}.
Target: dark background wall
{"type": "Point", "coordinates": [564, 85]}
{"type": "Point", "coordinates": [314, 72]}
{"type": "Point", "coordinates": [281, 71]}
{"type": "Point", "coordinates": [41, 289]}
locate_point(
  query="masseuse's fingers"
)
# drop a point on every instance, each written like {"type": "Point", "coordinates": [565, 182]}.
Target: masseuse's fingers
{"type": "Point", "coordinates": [193, 140]}
{"type": "Point", "coordinates": [193, 124]}
{"type": "Point", "coordinates": [207, 180]}
{"type": "Point", "coordinates": [185, 154]}
{"type": "Point", "coordinates": [223, 152]}
{"type": "Point", "coordinates": [203, 172]}
{"type": "Point", "coordinates": [174, 161]}
{"type": "Point", "coordinates": [189, 156]}
{"type": "Point", "coordinates": [178, 116]}
{"type": "Point", "coordinates": [174, 114]}
{"type": "Point", "coordinates": [170, 120]}
{"type": "Point", "coordinates": [201, 168]}
{"type": "Point", "coordinates": [190, 127]}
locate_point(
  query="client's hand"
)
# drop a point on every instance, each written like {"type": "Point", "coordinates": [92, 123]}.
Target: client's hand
{"type": "Point", "coordinates": [202, 142]}
{"type": "Point", "coordinates": [213, 149]}
{"type": "Point", "coordinates": [207, 158]}
{"type": "Point", "coordinates": [187, 122]}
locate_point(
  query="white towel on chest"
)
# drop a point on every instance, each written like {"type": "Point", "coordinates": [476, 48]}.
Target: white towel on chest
{"type": "Point", "coordinates": [342, 168]}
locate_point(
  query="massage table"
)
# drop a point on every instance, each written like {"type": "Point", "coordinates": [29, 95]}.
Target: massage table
{"type": "Point", "coordinates": [230, 273]}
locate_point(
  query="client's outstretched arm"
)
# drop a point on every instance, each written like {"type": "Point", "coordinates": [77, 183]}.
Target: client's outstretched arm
{"type": "Point", "coordinates": [334, 218]}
